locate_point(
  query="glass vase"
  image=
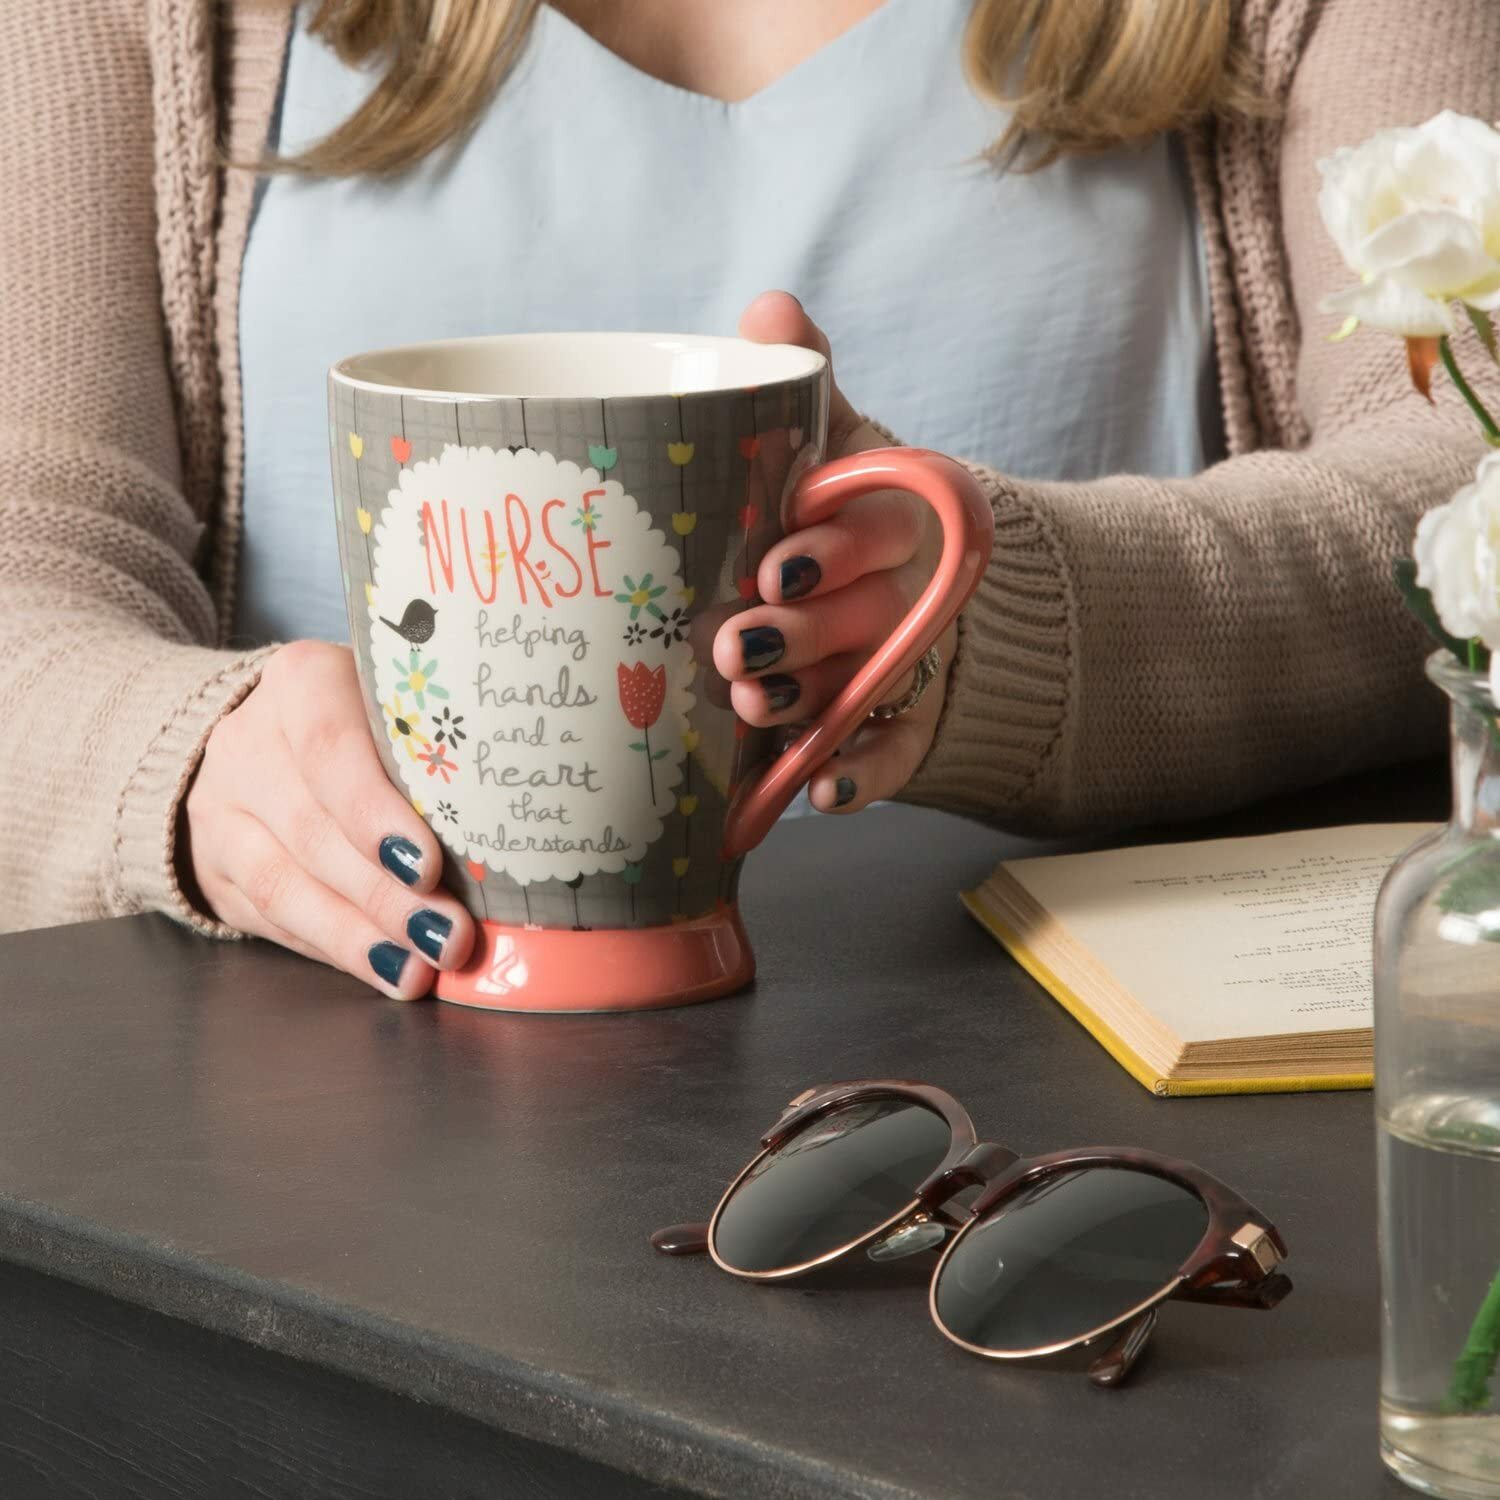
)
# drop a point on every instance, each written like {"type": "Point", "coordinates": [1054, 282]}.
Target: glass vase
{"type": "Point", "coordinates": [1437, 1107]}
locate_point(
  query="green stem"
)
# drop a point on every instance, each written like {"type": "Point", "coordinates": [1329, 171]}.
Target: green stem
{"type": "Point", "coordinates": [1473, 645]}
{"type": "Point", "coordinates": [1486, 421]}
{"type": "Point", "coordinates": [1469, 1387]}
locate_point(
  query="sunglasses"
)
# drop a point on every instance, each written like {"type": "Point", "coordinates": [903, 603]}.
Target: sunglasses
{"type": "Point", "coordinates": [1056, 1251]}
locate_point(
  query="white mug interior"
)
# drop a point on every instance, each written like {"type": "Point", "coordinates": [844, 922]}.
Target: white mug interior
{"type": "Point", "coordinates": [563, 366]}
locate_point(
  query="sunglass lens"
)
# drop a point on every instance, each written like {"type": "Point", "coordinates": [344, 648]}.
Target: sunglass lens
{"type": "Point", "coordinates": [1065, 1256]}
{"type": "Point", "coordinates": [841, 1176]}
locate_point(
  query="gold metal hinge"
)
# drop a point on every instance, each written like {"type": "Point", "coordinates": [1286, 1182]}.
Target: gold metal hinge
{"type": "Point", "coordinates": [1253, 1238]}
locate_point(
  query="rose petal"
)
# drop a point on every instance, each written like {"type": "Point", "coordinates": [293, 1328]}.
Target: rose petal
{"type": "Point", "coordinates": [1485, 295]}
{"type": "Point", "coordinates": [1435, 251]}
{"type": "Point", "coordinates": [1385, 303]}
{"type": "Point", "coordinates": [1458, 559]}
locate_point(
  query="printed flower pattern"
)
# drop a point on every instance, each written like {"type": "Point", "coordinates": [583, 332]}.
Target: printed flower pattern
{"type": "Point", "coordinates": [587, 519]}
{"type": "Point", "coordinates": [634, 634]}
{"type": "Point", "coordinates": [643, 691]}
{"type": "Point", "coordinates": [405, 727]}
{"type": "Point", "coordinates": [445, 727]}
{"type": "Point", "coordinates": [438, 764]}
{"type": "Point", "coordinates": [447, 812]}
{"type": "Point", "coordinates": [418, 680]}
{"type": "Point", "coordinates": [673, 628]}
{"type": "Point", "coordinates": [641, 596]}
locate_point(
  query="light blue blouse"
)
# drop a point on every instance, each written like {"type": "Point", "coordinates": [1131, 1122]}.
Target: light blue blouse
{"type": "Point", "coordinates": [1054, 324]}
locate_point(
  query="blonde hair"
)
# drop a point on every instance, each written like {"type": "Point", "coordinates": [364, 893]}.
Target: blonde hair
{"type": "Point", "coordinates": [1082, 76]}
{"type": "Point", "coordinates": [1077, 76]}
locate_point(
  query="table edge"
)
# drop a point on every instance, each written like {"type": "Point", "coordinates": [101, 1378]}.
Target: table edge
{"type": "Point", "coordinates": [401, 1358]}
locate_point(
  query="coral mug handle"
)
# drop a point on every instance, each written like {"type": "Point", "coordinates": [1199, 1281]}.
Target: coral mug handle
{"type": "Point", "coordinates": [968, 536]}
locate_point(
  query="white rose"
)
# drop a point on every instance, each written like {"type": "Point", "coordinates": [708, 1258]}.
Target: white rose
{"type": "Point", "coordinates": [1458, 560]}
{"type": "Point", "coordinates": [1415, 213]}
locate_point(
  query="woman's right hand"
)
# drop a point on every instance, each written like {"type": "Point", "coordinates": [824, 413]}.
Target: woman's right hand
{"type": "Point", "coordinates": [296, 834]}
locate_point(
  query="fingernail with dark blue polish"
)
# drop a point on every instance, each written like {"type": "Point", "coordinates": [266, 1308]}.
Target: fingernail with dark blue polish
{"type": "Point", "coordinates": [844, 790]}
{"type": "Point", "coordinates": [782, 690]}
{"type": "Point", "coordinates": [388, 960]}
{"type": "Point", "coordinates": [762, 646]}
{"type": "Point", "coordinates": [799, 576]}
{"type": "Point", "coordinates": [429, 930]}
{"type": "Point", "coordinates": [402, 858]}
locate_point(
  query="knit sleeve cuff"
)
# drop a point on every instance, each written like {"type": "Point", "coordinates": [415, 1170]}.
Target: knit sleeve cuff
{"type": "Point", "coordinates": [1008, 690]}
{"type": "Point", "coordinates": [144, 869]}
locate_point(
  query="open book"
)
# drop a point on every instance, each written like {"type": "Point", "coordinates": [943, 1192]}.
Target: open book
{"type": "Point", "coordinates": [1227, 966]}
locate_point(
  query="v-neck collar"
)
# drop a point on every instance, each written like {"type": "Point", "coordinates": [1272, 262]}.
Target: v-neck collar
{"type": "Point", "coordinates": [828, 55]}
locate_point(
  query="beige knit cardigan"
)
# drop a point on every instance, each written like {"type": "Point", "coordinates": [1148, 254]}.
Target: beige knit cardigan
{"type": "Point", "coordinates": [1140, 648]}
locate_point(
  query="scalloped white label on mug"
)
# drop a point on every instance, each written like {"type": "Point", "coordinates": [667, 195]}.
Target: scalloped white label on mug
{"type": "Point", "coordinates": [529, 633]}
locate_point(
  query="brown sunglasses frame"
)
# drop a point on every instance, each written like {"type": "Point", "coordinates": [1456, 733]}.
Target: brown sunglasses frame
{"type": "Point", "coordinates": [1233, 1265]}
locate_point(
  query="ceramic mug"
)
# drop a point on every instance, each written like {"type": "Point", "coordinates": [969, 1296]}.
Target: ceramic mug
{"type": "Point", "coordinates": [540, 535]}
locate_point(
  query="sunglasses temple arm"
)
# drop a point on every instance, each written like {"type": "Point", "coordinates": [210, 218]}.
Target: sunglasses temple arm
{"type": "Point", "coordinates": [1263, 1294]}
{"type": "Point", "coordinates": [681, 1239]}
{"type": "Point", "coordinates": [1111, 1368]}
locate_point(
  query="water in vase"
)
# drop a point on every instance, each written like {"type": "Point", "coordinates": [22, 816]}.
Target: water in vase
{"type": "Point", "coordinates": [1439, 1158]}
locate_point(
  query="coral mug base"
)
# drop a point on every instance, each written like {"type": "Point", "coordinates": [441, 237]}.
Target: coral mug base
{"type": "Point", "coordinates": [603, 968]}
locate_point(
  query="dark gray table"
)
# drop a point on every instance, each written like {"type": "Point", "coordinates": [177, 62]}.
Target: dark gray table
{"type": "Point", "coordinates": [264, 1234]}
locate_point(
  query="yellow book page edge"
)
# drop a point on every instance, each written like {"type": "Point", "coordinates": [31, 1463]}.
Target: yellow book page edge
{"type": "Point", "coordinates": [1127, 1057]}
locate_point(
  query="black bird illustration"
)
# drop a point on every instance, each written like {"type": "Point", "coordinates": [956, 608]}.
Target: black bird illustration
{"type": "Point", "coordinates": [418, 621]}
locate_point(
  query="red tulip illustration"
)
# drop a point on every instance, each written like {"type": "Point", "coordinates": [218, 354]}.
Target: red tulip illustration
{"type": "Point", "coordinates": [643, 691]}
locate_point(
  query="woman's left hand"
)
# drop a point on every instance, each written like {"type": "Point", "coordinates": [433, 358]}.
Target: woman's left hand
{"type": "Point", "coordinates": [833, 593]}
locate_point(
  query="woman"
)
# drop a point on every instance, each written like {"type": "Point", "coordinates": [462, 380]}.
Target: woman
{"type": "Point", "coordinates": [1160, 632]}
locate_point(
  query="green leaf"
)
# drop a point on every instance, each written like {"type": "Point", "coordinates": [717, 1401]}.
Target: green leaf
{"type": "Point", "coordinates": [1484, 326]}
{"type": "Point", "coordinates": [1469, 1387]}
{"type": "Point", "coordinates": [658, 755]}
{"type": "Point", "coordinates": [637, 745]}
{"type": "Point", "coordinates": [1475, 892]}
{"type": "Point", "coordinates": [1419, 602]}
